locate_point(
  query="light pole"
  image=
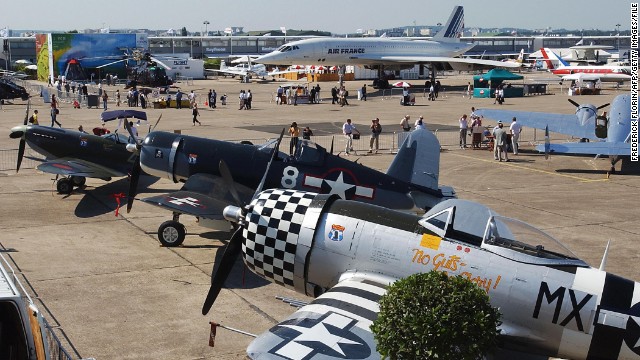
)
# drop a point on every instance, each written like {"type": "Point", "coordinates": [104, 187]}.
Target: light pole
{"type": "Point", "coordinates": [206, 32]}
{"type": "Point", "coordinates": [206, 24]}
{"type": "Point", "coordinates": [618, 36]}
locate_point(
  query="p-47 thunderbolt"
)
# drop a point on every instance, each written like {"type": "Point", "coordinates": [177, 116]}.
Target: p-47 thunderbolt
{"type": "Point", "coordinates": [411, 181]}
{"type": "Point", "coordinates": [77, 155]}
{"type": "Point", "coordinates": [346, 253]}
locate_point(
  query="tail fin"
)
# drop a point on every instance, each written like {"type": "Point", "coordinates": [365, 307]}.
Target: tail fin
{"type": "Point", "coordinates": [546, 58]}
{"type": "Point", "coordinates": [223, 65]}
{"type": "Point", "coordinates": [452, 30]}
{"type": "Point", "coordinates": [521, 56]}
{"type": "Point", "coordinates": [418, 160]}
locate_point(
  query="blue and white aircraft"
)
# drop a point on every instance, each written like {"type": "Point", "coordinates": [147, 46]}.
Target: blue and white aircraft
{"type": "Point", "coordinates": [607, 134]}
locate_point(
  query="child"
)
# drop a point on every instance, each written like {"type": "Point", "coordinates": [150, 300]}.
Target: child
{"type": "Point", "coordinates": [223, 99]}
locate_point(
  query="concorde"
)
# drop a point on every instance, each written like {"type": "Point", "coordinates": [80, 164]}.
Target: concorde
{"type": "Point", "coordinates": [442, 52]}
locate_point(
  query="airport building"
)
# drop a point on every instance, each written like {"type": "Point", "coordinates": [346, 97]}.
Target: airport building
{"type": "Point", "coordinates": [199, 47]}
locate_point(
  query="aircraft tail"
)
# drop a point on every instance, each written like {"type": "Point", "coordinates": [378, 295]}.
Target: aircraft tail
{"type": "Point", "coordinates": [452, 30]}
{"type": "Point", "coordinates": [521, 56]}
{"type": "Point", "coordinates": [546, 58]}
{"type": "Point", "coordinates": [418, 160]}
{"type": "Point", "coordinates": [223, 65]}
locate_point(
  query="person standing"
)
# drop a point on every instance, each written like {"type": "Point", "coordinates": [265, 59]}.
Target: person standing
{"type": "Point", "coordinates": [307, 133]}
{"type": "Point", "coordinates": [500, 143]}
{"type": "Point", "coordinates": [54, 111]}
{"type": "Point", "coordinates": [34, 118]}
{"type": "Point", "coordinates": [376, 129]}
{"type": "Point", "coordinates": [404, 123]}
{"type": "Point", "coordinates": [208, 100]}
{"type": "Point", "coordinates": [363, 91]}
{"type": "Point", "coordinates": [195, 113]}
{"type": "Point", "coordinates": [347, 131]}
{"type": "Point", "coordinates": [179, 99]}
{"type": "Point", "coordinates": [248, 97]}
{"type": "Point", "coordinates": [294, 132]}
{"type": "Point", "coordinates": [105, 98]}
{"type": "Point", "coordinates": [214, 98]}
{"type": "Point", "coordinates": [419, 124]}
{"type": "Point", "coordinates": [118, 97]}
{"type": "Point", "coordinates": [515, 130]}
{"type": "Point", "coordinates": [464, 126]}
{"type": "Point", "coordinates": [143, 99]}
{"type": "Point", "coordinates": [334, 95]}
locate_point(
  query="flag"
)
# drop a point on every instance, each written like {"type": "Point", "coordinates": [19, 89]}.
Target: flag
{"type": "Point", "coordinates": [283, 29]}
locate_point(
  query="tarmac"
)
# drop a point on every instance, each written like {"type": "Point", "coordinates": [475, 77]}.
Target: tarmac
{"type": "Point", "coordinates": [115, 293]}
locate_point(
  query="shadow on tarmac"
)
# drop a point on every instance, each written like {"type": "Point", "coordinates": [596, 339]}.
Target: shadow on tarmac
{"type": "Point", "coordinates": [101, 200]}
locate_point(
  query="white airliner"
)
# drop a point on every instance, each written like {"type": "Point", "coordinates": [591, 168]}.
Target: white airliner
{"type": "Point", "coordinates": [386, 53]}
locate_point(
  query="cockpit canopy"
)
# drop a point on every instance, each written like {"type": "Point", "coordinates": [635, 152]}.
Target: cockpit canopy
{"type": "Point", "coordinates": [308, 152]}
{"type": "Point", "coordinates": [285, 48]}
{"type": "Point", "coordinates": [476, 224]}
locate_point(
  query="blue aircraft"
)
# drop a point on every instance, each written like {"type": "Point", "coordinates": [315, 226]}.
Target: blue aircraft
{"type": "Point", "coordinates": [605, 135]}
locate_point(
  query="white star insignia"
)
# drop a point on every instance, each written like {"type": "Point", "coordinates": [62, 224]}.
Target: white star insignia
{"type": "Point", "coordinates": [338, 186]}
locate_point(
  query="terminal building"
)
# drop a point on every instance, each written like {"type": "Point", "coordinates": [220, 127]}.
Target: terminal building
{"type": "Point", "coordinates": [199, 47]}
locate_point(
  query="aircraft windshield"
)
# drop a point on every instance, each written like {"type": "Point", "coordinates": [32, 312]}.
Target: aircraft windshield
{"type": "Point", "coordinates": [117, 138]}
{"type": "Point", "coordinates": [286, 48]}
{"type": "Point", "coordinates": [526, 243]}
{"type": "Point", "coordinates": [309, 153]}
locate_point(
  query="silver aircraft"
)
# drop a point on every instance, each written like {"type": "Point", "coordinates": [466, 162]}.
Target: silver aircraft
{"type": "Point", "coordinates": [345, 254]}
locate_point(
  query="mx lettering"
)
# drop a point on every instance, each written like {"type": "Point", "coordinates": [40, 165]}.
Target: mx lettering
{"type": "Point", "coordinates": [578, 301]}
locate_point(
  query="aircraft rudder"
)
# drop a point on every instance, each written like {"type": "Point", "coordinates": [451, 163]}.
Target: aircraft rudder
{"type": "Point", "coordinates": [418, 160]}
{"type": "Point", "coordinates": [453, 27]}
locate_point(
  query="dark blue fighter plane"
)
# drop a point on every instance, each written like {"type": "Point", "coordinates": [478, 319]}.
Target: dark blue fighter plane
{"type": "Point", "coordinates": [410, 183]}
{"type": "Point", "coordinates": [77, 155]}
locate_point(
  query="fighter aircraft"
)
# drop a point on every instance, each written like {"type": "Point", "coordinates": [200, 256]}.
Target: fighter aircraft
{"type": "Point", "coordinates": [77, 155]}
{"type": "Point", "coordinates": [609, 134]}
{"type": "Point", "coordinates": [606, 73]}
{"type": "Point", "coordinates": [10, 90]}
{"type": "Point", "coordinates": [411, 181]}
{"type": "Point", "coordinates": [386, 53]}
{"type": "Point", "coordinates": [346, 254]}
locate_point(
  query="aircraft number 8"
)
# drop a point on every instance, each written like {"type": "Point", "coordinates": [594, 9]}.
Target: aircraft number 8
{"type": "Point", "coordinates": [289, 176]}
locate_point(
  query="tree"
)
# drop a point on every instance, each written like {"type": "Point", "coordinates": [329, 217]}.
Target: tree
{"type": "Point", "coordinates": [435, 316]}
{"type": "Point", "coordinates": [183, 31]}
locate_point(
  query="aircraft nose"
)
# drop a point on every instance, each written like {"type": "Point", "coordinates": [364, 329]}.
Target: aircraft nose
{"type": "Point", "coordinates": [18, 131]}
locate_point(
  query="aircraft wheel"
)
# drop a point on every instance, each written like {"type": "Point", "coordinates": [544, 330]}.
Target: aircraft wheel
{"type": "Point", "coordinates": [171, 233]}
{"type": "Point", "coordinates": [64, 186]}
{"type": "Point", "coordinates": [78, 181]}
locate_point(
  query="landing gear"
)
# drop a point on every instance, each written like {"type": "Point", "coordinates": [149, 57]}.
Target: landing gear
{"type": "Point", "coordinates": [171, 233]}
{"type": "Point", "coordinates": [65, 185]}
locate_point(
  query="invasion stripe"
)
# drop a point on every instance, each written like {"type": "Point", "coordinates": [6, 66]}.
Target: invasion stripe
{"type": "Point", "coordinates": [347, 307]}
{"type": "Point", "coordinates": [606, 341]}
{"type": "Point", "coordinates": [365, 294]}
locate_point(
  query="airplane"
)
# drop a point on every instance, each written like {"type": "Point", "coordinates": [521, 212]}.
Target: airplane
{"type": "Point", "coordinates": [345, 254]}
{"type": "Point", "coordinates": [607, 73]}
{"type": "Point", "coordinates": [9, 90]}
{"type": "Point", "coordinates": [410, 182]}
{"type": "Point", "coordinates": [519, 60]}
{"type": "Point", "coordinates": [77, 155]}
{"type": "Point", "coordinates": [247, 69]}
{"type": "Point", "coordinates": [441, 53]}
{"type": "Point", "coordinates": [609, 135]}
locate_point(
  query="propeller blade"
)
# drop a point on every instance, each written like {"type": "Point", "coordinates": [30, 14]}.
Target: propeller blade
{"type": "Point", "coordinates": [133, 183]}
{"type": "Point", "coordinates": [128, 127]}
{"type": "Point", "coordinates": [224, 269]}
{"type": "Point", "coordinates": [26, 115]}
{"type": "Point", "coordinates": [574, 103]}
{"type": "Point", "coordinates": [20, 153]}
{"type": "Point", "coordinates": [602, 106]}
{"type": "Point", "coordinates": [231, 185]}
{"type": "Point", "coordinates": [156, 124]}
{"type": "Point", "coordinates": [266, 172]}
{"type": "Point", "coordinates": [331, 151]}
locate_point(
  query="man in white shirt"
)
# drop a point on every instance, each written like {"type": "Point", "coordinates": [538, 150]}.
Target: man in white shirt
{"type": "Point", "coordinates": [347, 131]}
{"type": "Point", "coordinates": [515, 130]}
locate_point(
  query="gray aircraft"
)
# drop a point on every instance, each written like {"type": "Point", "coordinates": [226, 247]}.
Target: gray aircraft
{"type": "Point", "coordinates": [346, 253]}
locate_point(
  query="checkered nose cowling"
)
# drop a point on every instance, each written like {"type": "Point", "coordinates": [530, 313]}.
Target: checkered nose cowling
{"type": "Point", "coordinates": [271, 233]}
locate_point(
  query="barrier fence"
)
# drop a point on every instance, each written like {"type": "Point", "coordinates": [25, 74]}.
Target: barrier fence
{"type": "Point", "coordinates": [388, 142]}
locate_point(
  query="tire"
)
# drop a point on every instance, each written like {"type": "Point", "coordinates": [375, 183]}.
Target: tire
{"type": "Point", "coordinates": [78, 181]}
{"type": "Point", "coordinates": [64, 186]}
{"type": "Point", "coordinates": [171, 233]}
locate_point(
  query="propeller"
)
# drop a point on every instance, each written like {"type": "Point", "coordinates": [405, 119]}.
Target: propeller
{"type": "Point", "coordinates": [233, 248]}
{"type": "Point", "coordinates": [331, 151]}
{"type": "Point", "coordinates": [23, 141]}
{"type": "Point", "coordinates": [578, 105]}
{"type": "Point", "coordinates": [135, 172]}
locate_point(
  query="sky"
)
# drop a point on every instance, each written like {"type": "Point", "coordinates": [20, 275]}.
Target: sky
{"type": "Point", "coordinates": [337, 16]}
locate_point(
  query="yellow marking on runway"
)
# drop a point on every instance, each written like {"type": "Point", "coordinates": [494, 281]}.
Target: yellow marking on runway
{"type": "Point", "coordinates": [511, 164]}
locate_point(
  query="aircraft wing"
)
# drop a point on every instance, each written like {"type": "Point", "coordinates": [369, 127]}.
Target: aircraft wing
{"type": "Point", "coordinates": [190, 203]}
{"type": "Point", "coordinates": [449, 62]}
{"type": "Point", "coordinates": [567, 124]}
{"type": "Point", "coordinates": [77, 167]}
{"type": "Point", "coordinates": [335, 324]}
{"type": "Point", "coordinates": [229, 71]}
{"type": "Point", "coordinates": [280, 72]}
{"type": "Point", "coordinates": [590, 148]}
{"type": "Point", "coordinates": [203, 195]}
